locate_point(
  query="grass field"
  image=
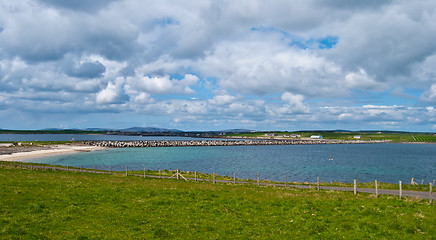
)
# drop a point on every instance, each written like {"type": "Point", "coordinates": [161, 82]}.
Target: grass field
{"type": "Point", "coordinates": [68, 205]}
{"type": "Point", "coordinates": [394, 137]}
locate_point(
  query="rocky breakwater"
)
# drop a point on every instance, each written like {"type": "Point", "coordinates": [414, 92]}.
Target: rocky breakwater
{"type": "Point", "coordinates": [197, 143]}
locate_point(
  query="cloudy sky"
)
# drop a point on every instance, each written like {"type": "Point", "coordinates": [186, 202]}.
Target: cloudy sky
{"type": "Point", "coordinates": [218, 64]}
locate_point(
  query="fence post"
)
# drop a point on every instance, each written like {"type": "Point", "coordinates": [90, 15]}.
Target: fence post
{"type": "Point", "coordinates": [213, 177]}
{"type": "Point", "coordinates": [31, 167]}
{"type": "Point", "coordinates": [195, 176]}
{"type": "Point", "coordinates": [110, 170]}
{"type": "Point", "coordinates": [401, 189]}
{"type": "Point", "coordinates": [317, 183]}
{"type": "Point", "coordinates": [376, 189]}
{"type": "Point", "coordinates": [234, 177]}
{"type": "Point", "coordinates": [431, 189]}
{"type": "Point", "coordinates": [177, 174]}
{"type": "Point", "coordinates": [68, 168]}
{"type": "Point", "coordinates": [127, 174]}
{"type": "Point", "coordinates": [286, 180]}
{"type": "Point", "coordinates": [80, 169]}
{"type": "Point", "coordinates": [355, 187]}
{"type": "Point", "coordinates": [258, 180]}
{"type": "Point", "coordinates": [160, 175]}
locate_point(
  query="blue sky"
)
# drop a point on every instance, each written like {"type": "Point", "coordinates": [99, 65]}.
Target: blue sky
{"type": "Point", "coordinates": [213, 65]}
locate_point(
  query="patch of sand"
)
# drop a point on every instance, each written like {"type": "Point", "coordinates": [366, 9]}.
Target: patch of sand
{"type": "Point", "coordinates": [53, 150]}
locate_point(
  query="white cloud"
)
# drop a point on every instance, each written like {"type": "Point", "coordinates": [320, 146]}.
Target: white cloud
{"type": "Point", "coordinates": [165, 85]}
{"type": "Point", "coordinates": [261, 67]}
{"type": "Point", "coordinates": [144, 98]}
{"type": "Point", "coordinates": [295, 102]}
{"type": "Point", "coordinates": [361, 80]}
{"type": "Point", "coordinates": [222, 99]}
{"type": "Point", "coordinates": [430, 94]}
{"type": "Point", "coordinates": [112, 94]}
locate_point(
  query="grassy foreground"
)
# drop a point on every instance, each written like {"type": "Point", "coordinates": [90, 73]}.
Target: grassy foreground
{"type": "Point", "coordinates": [68, 205]}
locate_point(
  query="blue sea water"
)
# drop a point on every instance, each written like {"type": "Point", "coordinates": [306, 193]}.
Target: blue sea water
{"type": "Point", "coordinates": [364, 162]}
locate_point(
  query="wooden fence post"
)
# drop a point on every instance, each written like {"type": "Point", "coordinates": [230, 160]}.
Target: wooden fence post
{"type": "Point", "coordinates": [195, 176]}
{"type": "Point", "coordinates": [144, 172]}
{"type": "Point", "coordinates": [68, 168]}
{"type": "Point", "coordinates": [258, 180]}
{"type": "Point", "coordinates": [376, 189]}
{"type": "Point", "coordinates": [355, 187]}
{"type": "Point", "coordinates": [127, 174]}
{"type": "Point", "coordinates": [401, 189]}
{"type": "Point", "coordinates": [430, 194]}
{"type": "Point", "coordinates": [110, 170]}
{"type": "Point", "coordinates": [286, 180]}
{"type": "Point", "coordinates": [177, 174]}
{"type": "Point", "coordinates": [317, 183]}
{"type": "Point", "coordinates": [234, 177]}
{"type": "Point", "coordinates": [213, 177]}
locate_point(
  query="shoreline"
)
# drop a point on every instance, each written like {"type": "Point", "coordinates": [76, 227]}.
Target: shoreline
{"type": "Point", "coordinates": [54, 150]}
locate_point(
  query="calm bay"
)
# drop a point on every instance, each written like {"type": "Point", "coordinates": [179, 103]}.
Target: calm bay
{"type": "Point", "coordinates": [388, 162]}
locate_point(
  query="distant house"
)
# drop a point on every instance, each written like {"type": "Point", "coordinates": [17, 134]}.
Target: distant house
{"type": "Point", "coordinates": [316, 137]}
{"type": "Point", "coordinates": [270, 134]}
{"type": "Point", "coordinates": [357, 137]}
{"type": "Point", "coordinates": [285, 135]}
{"type": "Point", "coordinates": [295, 135]}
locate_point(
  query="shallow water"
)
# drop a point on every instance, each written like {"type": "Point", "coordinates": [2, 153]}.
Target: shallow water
{"type": "Point", "coordinates": [364, 162]}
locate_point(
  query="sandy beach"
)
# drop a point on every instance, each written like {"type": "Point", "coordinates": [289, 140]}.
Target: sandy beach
{"type": "Point", "coordinates": [23, 154]}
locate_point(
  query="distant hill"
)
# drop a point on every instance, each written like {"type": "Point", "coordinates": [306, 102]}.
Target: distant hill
{"type": "Point", "coordinates": [148, 129]}
{"type": "Point", "coordinates": [236, 131]}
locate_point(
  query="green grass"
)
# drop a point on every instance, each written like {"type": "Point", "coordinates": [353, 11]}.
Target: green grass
{"type": "Point", "coordinates": [67, 205]}
{"type": "Point", "coordinates": [394, 137]}
{"type": "Point", "coordinates": [425, 138]}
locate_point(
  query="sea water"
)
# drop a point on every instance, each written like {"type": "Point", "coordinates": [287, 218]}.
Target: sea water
{"type": "Point", "coordinates": [330, 162]}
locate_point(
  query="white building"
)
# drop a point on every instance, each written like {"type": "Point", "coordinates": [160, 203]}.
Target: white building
{"type": "Point", "coordinates": [316, 137]}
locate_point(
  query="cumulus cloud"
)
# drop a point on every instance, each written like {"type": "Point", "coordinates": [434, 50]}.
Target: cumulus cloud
{"type": "Point", "coordinates": [165, 85]}
{"type": "Point", "coordinates": [295, 102]}
{"type": "Point", "coordinates": [430, 94]}
{"type": "Point", "coordinates": [112, 94]}
{"type": "Point", "coordinates": [87, 70]}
